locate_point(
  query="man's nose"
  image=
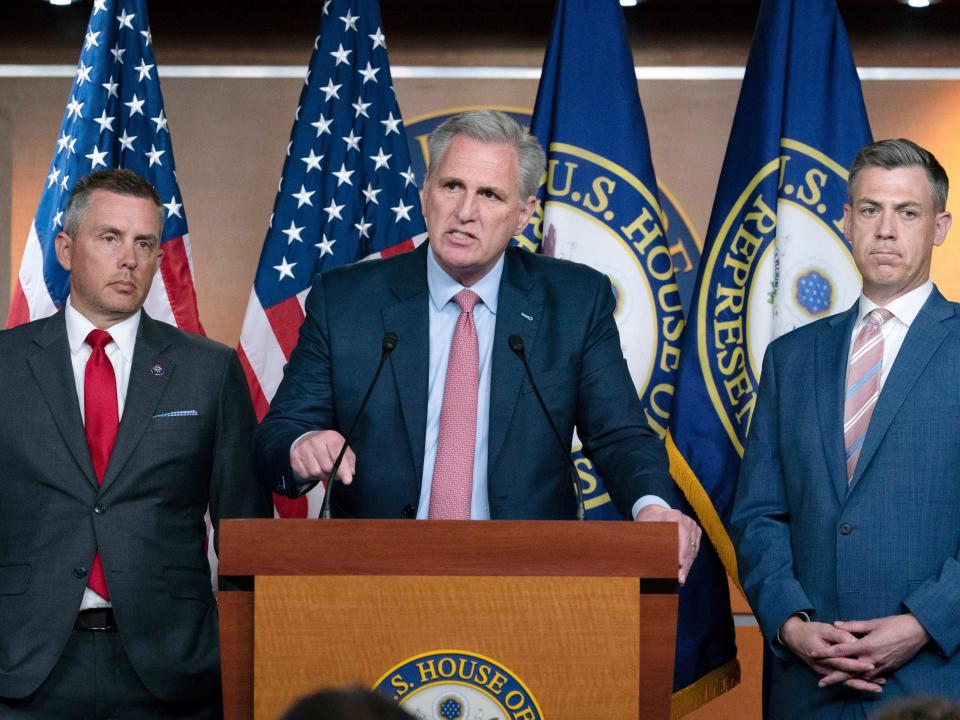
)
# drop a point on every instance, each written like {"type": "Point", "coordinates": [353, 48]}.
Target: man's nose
{"type": "Point", "coordinates": [467, 208]}
{"type": "Point", "coordinates": [128, 256]}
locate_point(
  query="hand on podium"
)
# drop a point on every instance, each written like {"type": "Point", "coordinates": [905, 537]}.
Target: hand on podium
{"type": "Point", "coordinates": [688, 530]}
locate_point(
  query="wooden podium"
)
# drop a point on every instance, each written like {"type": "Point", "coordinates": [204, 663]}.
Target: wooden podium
{"type": "Point", "coordinates": [582, 614]}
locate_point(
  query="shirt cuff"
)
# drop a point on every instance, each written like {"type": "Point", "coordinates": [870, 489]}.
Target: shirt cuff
{"type": "Point", "coordinates": [648, 500]}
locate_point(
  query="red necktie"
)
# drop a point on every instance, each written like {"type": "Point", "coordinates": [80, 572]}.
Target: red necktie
{"type": "Point", "coordinates": [452, 487]}
{"type": "Point", "coordinates": [101, 420]}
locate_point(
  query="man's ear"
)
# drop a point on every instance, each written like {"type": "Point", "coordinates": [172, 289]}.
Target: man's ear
{"type": "Point", "coordinates": [64, 247]}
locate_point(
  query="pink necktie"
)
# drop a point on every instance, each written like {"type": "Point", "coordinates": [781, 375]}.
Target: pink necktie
{"type": "Point", "coordinates": [863, 385]}
{"type": "Point", "coordinates": [101, 420]}
{"type": "Point", "coordinates": [452, 486]}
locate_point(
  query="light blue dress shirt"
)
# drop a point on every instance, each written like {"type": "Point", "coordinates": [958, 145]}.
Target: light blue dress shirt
{"type": "Point", "coordinates": [444, 313]}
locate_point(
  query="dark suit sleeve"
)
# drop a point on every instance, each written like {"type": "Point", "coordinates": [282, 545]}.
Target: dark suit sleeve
{"type": "Point", "coordinates": [303, 402]}
{"type": "Point", "coordinates": [936, 605]}
{"type": "Point", "coordinates": [234, 491]}
{"type": "Point", "coordinates": [627, 453]}
{"type": "Point", "coordinates": [760, 522]}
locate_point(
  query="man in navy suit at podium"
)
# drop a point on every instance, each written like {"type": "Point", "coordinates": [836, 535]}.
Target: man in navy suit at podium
{"type": "Point", "coordinates": [452, 429]}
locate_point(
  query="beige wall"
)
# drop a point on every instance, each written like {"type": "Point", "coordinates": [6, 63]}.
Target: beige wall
{"type": "Point", "coordinates": [229, 138]}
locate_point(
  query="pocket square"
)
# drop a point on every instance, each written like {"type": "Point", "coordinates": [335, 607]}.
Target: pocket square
{"type": "Point", "coordinates": [177, 413]}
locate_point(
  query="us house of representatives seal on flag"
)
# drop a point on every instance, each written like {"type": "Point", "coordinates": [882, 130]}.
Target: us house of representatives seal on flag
{"type": "Point", "coordinates": [779, 261]}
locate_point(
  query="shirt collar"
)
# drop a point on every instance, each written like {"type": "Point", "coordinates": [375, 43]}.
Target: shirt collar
{"type": "Point", "coordinates": [443, 287]}
{"type": "Point", "coordinates": [124, 333]}
{"type": "Point", "coordinates": [904, 308]}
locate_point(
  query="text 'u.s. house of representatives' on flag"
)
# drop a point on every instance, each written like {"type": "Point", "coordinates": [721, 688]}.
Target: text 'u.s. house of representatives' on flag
{"type": "Point", "coordinates": [347, 192]}
{"type": "Point", "coordinates": [114, 118]}
{"type": "Point", "coordinates": [599, 205]}
{"type": "Point", "coordinates": [775, 256]}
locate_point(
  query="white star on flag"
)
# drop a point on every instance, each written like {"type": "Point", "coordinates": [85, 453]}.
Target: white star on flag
{"type": "Point", "coordinates": [363, 227]}
{"type": "Point", "coordinates": [293, 232]}
{"type": "Point", "coordinates": [144, 70]}
{"type": "Point", "coordinates": [371, 195]}
{"type": "Point", "coordinates": [352, 141]}
{"type": "Point", "coordinates": [173, 207]}
{"type": "Point", "coordinates": [303, 197]}
{"type": "Point", "coordinates": [105, 122]}
{"type": "Point", "coordinates": [343, 175]}
{"type": "Point", "coordinates": [117, 53]}
{"type": "Point", "coordinates": [391, 124]}
{"type": "Point", "coordinates": [341, 56]}
{"type": "Point", "coordinates": [111, 87]}
{"type": "Point", "coordinates": [349, 21]}
{"type": "Point", "coordinates": [125, 20]}
{"type": "Point", "coordinates": [74, 108]}
{"type": "Point", "coordinates": [379, 40]}
{"type": "Point", "coordinates": [381, 160]}
{"type": "Point", "coordinates": [361, 107]}
{"type": "Point", "coordinates": [330, 90]}
{"type": "Point", "coordinates": [96, 158]}
{"type": "Point", "coordinates": [370, 73]}
{"type": "Point", "coordinates": [154, 155]}
{"type": "Point", "coordinates": [126, 141]}
{"type": "Point", "coordinates": [333, 210]}
{"type": "Point", "coordinates": [402, 211]}
{"type": "Point", "coordinates": [312, 160]}
{"type": "Point", "coordinates": [323, 125]}
{"type": "Point", "coordinates": [325, 246]}
{"type": "Point", "coordinates": [135, 105]}
{"type": "Point", "coordinates": [285, 268]}
{"type": "Point", "coordinates": [161, 121]}
{"type": "Point", "coordinates": [91, 40]}
{"type": "Point", "coordinates": [83, 73]}
{"type": "Point", "coordinates": [409, 177]}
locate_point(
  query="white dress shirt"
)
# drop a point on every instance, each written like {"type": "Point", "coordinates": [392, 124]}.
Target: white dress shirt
{"type": "Point", "coordinates": [120, 353]}
{"type": "Point", "coordinates": [905, 310]}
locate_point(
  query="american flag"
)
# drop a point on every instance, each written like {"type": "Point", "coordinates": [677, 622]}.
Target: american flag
{"type": "Point", "coordinates": [114, 118]}
{"type": "Point", "coordinates": [347, 193]}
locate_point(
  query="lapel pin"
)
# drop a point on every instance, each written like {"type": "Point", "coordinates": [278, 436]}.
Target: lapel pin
{"type": "Point", "coordinates": [158, 370]}
{"type": "Point", "coordinates": [526, 317]}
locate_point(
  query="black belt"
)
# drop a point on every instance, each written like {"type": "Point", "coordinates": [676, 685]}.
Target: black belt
{"type": "Point", "coordinates": [100, 619]}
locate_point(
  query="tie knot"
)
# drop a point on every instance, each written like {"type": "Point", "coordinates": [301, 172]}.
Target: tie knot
{"type": "Point", "coordinates": [466, 299]}
{"type": "Point", "coordinates": [98, 339]}
{"type": "Point", "coordinates": [878, 316]}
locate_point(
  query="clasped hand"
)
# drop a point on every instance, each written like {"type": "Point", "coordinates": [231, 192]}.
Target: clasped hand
{"type": "Point", "coordinates": [858, 653]}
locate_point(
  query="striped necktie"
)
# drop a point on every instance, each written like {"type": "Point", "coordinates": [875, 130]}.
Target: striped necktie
{"type": "Point", "coordinates": [863, 384]}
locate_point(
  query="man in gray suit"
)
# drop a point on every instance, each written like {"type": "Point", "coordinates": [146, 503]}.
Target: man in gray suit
{"type": "Point", "coordinates": [846, 515]}
{"type": "Point", "coordinates": [117, 432]}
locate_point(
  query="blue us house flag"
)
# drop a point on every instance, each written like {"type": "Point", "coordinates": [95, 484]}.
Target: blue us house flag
{"type": "Point", "coordinates": [774, 257]}
{"type": "Point", "coordinates": [599, 205]}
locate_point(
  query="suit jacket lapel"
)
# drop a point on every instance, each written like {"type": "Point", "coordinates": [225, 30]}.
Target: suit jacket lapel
{"type": "Point", "coordinates": [925, 335]}
{"type": "Point", "coordinates": [144, 391]}
{"type": "Point", "coordinates": [519, 309]}
{"type": "Point", "coordinates": [408, 316]}
{"type": "Point", "coordinates": [831, 348]}
{"type": "Point", "coordinates": [54, 373]}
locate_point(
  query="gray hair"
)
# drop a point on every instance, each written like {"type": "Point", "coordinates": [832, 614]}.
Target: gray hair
{"type": "Point", "coordinates": [115, 180]}
{"type": "Point", "coordinates": [492, 126]}
{"type": "Point", "coordinates": [892, 154]}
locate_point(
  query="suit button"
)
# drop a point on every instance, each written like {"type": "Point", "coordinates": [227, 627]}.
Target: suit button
{"type": "Point", "coordinates": [846, 528]}
{"type": "Point", "coordinates": [79, 572]}
{"type": "Point", "coordinates": [408, 512]}
{"type": "Point", "coordinates": [99, 509]}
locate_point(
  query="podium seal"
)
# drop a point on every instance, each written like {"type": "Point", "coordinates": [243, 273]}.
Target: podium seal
{"type": "Point", "coordinates": [458, 685]}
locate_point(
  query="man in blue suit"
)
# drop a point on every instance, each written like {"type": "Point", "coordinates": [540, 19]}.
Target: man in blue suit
{"type": "Point", "coordinates": [846, 515]}
{"type": "Point", "coordinates": [431, 445]}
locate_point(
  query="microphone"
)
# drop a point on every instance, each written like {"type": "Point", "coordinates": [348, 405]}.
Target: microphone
{"type": "Point", "coordinates": [387, 346]}
{"type": "Point", "coordinates": [518, 349]}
